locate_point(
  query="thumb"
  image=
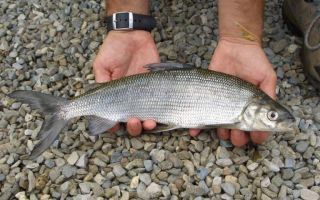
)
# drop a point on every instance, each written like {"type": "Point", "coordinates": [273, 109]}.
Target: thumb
{"type": "Point", "coordinates": [100, 73]}
{"type": "Point", "coordinates": [268, 85]}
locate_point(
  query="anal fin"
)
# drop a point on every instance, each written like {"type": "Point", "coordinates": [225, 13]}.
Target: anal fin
{"type": "Point", "coordinates": [98, 125]}
{"type": "Point", "coordinates": [162, 128]}
{"type": "Point", "coordinates": [153, 67]}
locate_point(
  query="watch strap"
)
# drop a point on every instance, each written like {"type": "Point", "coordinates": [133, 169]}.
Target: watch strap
{"type": "Point", "coordinates": [130, 21]}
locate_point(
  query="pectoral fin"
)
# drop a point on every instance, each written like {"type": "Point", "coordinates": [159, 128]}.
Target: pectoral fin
{"type": "Point", "coordinates": [163, 128]}
{"type": "Point", "coordinates": [167, 66]}
{"type": "Point", "coordinates": [98, 125]}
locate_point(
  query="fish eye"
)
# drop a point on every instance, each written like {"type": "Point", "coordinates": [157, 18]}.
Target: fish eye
{"type": "Point", "coordinates": [272, 115]}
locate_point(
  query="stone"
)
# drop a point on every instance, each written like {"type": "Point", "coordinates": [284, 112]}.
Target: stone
{"type": "Point", "coordinates": [292, 48]}
{"type": "Point", "coordinates": [99, 179]}
{"type": "Point", "coordinates": [224, 162]}
{"type": "Point", "coordinates": [82, 162]}
{"type": "Point", "coordinates": [148, 165]}
{"type": "Point", "coordinates": [265, 182]}
{"type": "Point", "coordinates": [307, 194]}
{"type": "Point", "coordinates": [278, 46]}
{"type": "Point", "coordinates": [302, 146]}
{"type": "Point", "coordinates": [154, 190]}
{"type": "Point", "coordinates": [265, 197]}
{"type": "Point", "coordinates": [271, 166]}
{"type": "Point", "coordinates": [157, 155]}
{"type": "Point", "coordinates": [84, 187]}
{"type": "Point", "coordinates": [68, 171]}
{"type": "Point", "coordinates": [136, 144]}
{"type": "Point", "coordinates": [216, 184]}
{"type": "Point", "coordinates": [228, 188]}
{"type": "Point", "coordinates": [243, 180]}
{"type": "Point", "coordinates": [252, 166]}
{"type": "Point", "coordinates": [134, 182]}
{"type": "Point", "coordinates": [73, 158]}
{"type": "Point", "coordinates": [145, 178]}
{"type": "Point", "coordinates": [202, 173]}
{"type": "Point", "coordinates": [118, 170]}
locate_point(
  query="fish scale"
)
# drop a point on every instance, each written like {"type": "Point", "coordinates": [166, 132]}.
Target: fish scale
{"type": "Point", "coordinates": [187, 98]}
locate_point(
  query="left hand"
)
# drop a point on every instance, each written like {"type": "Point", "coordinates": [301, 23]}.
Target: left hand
{"type": "Point", "coordinates": [248, 62]}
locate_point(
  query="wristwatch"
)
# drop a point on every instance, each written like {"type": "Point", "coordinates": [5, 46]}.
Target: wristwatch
{"type": "Point", "coordinates": [130, 21]}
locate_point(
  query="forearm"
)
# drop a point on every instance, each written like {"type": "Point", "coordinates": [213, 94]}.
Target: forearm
{"type": "Point", "coordinates": [241, 20]}
{"type": "Point", "coordinates": [136, 6]}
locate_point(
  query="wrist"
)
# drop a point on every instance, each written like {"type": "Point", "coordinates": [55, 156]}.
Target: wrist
{"type": "Point", "coordinates": [238, 40]}
{"type": "Point", "coordinates": [136, 6]}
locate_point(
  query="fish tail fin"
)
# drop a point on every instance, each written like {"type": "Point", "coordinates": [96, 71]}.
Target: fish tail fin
{"type": "Point", "coordinates": [49, 105]}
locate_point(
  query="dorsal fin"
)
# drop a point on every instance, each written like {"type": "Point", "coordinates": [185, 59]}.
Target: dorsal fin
{"type": "Point", "coordinates": [153, 67]}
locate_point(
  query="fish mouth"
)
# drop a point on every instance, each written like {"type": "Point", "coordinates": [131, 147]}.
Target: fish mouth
{"type": "Point", "coordinates": [285, 127]}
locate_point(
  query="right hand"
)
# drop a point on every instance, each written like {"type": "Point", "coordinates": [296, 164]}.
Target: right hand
{"type": "Point", "coordinates": [124, 53]}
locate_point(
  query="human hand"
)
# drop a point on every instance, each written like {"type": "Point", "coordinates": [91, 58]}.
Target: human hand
{"type": "Point", "coordinates": [124, 53]}
{"type": "Point", "coordinates": [246, 61]}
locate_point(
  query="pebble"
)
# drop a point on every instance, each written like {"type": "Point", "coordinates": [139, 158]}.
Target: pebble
{"type": "Point", "coordinates": [2, 177]}
{"type": "Point", "coordinates": [307, 194]}
{"type": "Point", "coordinates": [73, 158]}
{"type": "Point", "coordinates": [84, 187]}
{"type": "Point", "coordinates": [224, 162]}
{"type": "Point", "coordinates": [136, 144]}
{"type": "Point", "coordinates": [265, 182]}
{"type": "Point", "coordinates": [292, 48]}
{"type": "Point", "coordinates": [228, 188]}
{"type": "Point", "coordinates": [82, 162]}
{"type": "Point", "coordinates": [118, 170]}
{"type": "Point", "coordinates": [148, 165]}
{"type": "Point", "coordinates": [252, 166]}
{"type": "Point", "coordinates": [273, 167]}
{"type": "Point", "coordinates": [216, 184]}
{"type": "Point", "coordinates": [279, 45]}
{"type": "Point", "coordinates": [68, 171]}
{"type": "Point", "coordinates": [302, 146]}
{"type": "Point", "coordinates": [99, 179]}
{"type": "Point", "coordinates": [157, 155]}
{"type": "Point", "coordinates": [134, 182]}
{"type": "Point", "coordinates": [154, 190]}
{"type": "Point", "coordinates": [145, 178]}
{"type": "Point", "coordinates": [202, 173]}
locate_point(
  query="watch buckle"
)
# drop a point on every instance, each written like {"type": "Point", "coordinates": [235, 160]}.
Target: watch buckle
{"type": "Point", "coordinates": [130, 21]}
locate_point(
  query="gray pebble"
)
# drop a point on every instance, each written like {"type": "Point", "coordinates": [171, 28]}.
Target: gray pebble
{"type": "Point", "coordinates": [118, 170]}
{"type": "Point", "coordinates": [308, 194]}
{"type": "Point", "coordinates": [302, 146]}
{"type": "Point", "coordinates": [68, 171]}
{"type": "Point", "coordinates": [116, 157]}
{"type": "Point", "coordinates": [2, 177]}
{"type": "Point", "coordinates": [228, 188]}
{"type": "Point", "coordinates": [157, 155]}
{"type": "Point", "coordinates": [148, 165]}
{"type": "Point", "coordinates": [145, 178]}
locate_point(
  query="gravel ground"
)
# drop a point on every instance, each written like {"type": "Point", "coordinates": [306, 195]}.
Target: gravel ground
{"type": "Point", "coordinates": [49, 47]}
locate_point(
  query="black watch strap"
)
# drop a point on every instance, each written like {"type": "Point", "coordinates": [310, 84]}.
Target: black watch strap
{"type": "Point", "coordinates": [130, 21]}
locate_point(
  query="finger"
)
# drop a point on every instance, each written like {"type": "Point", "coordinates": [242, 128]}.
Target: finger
{"type": "Point", "coordinates": [259, 137]}
{"type": "Point", "coordinates": [223, 134]}
{"type": "Point", "coordinates": [238, 138]}
{"type": "Point", "coordinates": [149, 124]}
{"type": "Point", "coordinates": [194, 132]}
{"type": "Point", "coordinates": [115, 128]}
{"type": "Point", "coordinates": [134, 127]}
{"type": "Point", "coordinates": [100, 73]}
{"type": "Point", "coordinates": [268, 85]}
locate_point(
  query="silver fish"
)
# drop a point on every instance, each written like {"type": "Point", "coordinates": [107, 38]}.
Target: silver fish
{"type": "Point", "coordinates": [174, 95]}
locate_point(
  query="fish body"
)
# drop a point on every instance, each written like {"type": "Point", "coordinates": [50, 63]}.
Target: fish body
{"type": "Point", "coordinates": [173, 97]}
